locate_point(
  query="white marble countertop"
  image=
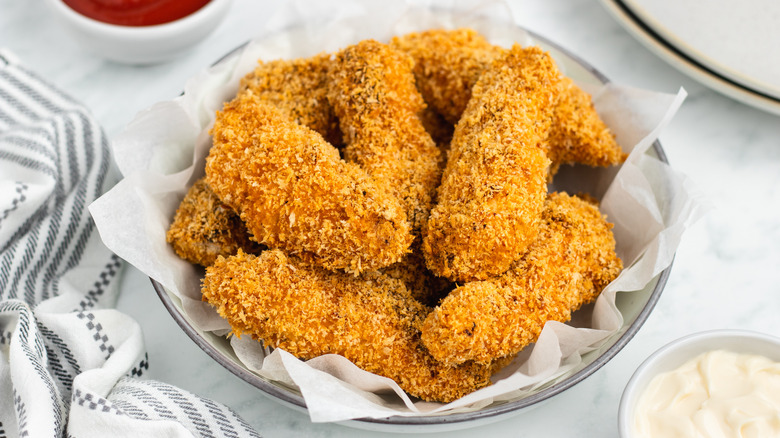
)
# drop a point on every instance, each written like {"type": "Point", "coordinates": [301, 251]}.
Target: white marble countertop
{"type": "Point", "coordinates": [724, 276]}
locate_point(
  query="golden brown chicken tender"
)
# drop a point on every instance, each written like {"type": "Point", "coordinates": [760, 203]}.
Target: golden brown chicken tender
{"type": "Point", "coordinates": [569, 264]}
{"type": "Point", "coordinates": [578, 134]}
{"type": "Point", "coordinates": [204, 228]}
{"type": "Point", "coordinates": [447, 65]}
{"type": "Point", "coordinates": [299, 88]}
{"type": "Point", "coordinates": [494, 185]}
{"type": "Point", "coordinates": [308, 311]}
{"type": "Point", "coordinates": [361, 245]}
{"type": "Point", "coordinates": [295, 193]}
{"type": "Point", "coordinates": [373, 94]}
{"type": "Point", "coordinates": [420, 282]}
{"type": "Point", "coordinates": [439, 129]}
{"type": "Point", "coordinates": [449, 62]}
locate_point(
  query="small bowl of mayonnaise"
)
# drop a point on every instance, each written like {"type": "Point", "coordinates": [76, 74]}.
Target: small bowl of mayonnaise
{"type": "Point", "coordinates": [722, 383]}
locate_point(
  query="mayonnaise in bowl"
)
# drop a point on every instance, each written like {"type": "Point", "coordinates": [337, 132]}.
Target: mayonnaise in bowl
{"type": "Point", "coordinates": [722, 383]}
{"type": "Point", "coordinates": [718, 393]}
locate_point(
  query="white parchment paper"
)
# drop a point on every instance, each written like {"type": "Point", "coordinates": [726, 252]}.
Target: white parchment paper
{"type": "Point", "coordinates": [162, 152]}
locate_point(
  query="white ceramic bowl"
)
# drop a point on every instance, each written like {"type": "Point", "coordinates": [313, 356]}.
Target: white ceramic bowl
{"type": "Point", "coordinates": [141, 44]}
{"type": "Point", "coordinates": [676, 353]}
{"type": "Point", "coordinates": [635, 308]}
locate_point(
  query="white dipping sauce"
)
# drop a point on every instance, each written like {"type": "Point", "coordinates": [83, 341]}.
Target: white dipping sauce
{"type": "Point", "coordinates": [717, 394]}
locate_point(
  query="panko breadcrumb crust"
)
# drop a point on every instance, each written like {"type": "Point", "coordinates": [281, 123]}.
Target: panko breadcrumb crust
{"type": "Point", "coordinates": [569, 264]}
{"type": "Point", "coordinates": [299, 89]}
{"type": "Point", "coordinates": [578, 134]}
{"type": "Point", "coordinates": [309, 311]}
{"type": "Point", "coordinates": [348, 274]}
{"type": "Point", "coordinates": [373, 93]}
{"type": "Point", "coordinates": [449, 62]}
{"type": "Point", "coordinates": [439, 129]}
{"type": "Point", "coordinates": [447, 65]}
{"type": "Point", "coordinates": [421, 283]}
{"type": "Point", "coordinates": [204, 228]}
{"type": "Point", "coordinates": [295, 193]}
{"type": "Point", "coordinates": [494, 185]}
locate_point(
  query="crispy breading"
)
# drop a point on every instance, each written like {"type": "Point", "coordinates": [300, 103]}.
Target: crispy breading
{"type": "Point", "coordinates": [204, 228]}
{"type": "Point", "coordinates": [494, 185]}
{"type": "Point", "coordinates": [449, 62]}
{"type": "Point", "coordinates": [569, 264]}
{"type": "Point", "coordinates": [578, 134]}
{"type": "Point", "coordinates": [421, 283]}
{"type": "Point", "coordinates": [447, 65]}
{"type": "Point", "coordinates": [308, 311]}
{"type": "Point", "coordinates": [362, 245]}
{"type": "Point", "coordinates": [299, 88]}
{"type": "Point", "coordinates": [439, 129]}
{"type": "Point", "coordinates": [373, 94]}
{"type": "Point", "coordinates": [295, 193]}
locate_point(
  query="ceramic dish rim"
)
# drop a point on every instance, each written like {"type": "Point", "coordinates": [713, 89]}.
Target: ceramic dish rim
{"type": "Point", "coordinates": [686, 65]}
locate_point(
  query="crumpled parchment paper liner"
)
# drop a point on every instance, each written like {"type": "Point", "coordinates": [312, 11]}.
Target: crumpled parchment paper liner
{"type": "Point", "coordinates": [162, 151]}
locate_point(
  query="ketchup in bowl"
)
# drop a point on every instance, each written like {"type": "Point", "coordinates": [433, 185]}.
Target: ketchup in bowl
{"type": "Point", "coordinates": [135, 12]}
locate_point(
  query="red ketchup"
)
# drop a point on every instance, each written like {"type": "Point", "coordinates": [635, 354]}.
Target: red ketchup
{"type": "Point", "coordinates": [135, 12]}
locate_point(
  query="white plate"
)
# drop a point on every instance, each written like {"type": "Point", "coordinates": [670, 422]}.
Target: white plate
{"type": "Point", "coordinates": [687, 65]}
{"type": "Point", "coordinates": [737, 40]}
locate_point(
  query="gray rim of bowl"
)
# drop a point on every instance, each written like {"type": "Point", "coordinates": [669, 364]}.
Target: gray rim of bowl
{"type": "Point", "coordinates": [488, 412]}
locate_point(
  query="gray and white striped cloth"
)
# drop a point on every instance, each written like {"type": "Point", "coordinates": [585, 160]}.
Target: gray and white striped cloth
{"type": "Point", "coordinates": [70, 365]}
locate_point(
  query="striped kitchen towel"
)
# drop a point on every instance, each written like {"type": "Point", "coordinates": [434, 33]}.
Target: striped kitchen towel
{"type": "Point", "coordinates": [70, 365]}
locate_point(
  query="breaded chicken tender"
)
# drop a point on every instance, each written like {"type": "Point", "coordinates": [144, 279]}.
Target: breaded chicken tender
{"type": "Point", "coordinates": [308, 311]}
{"type": "Point", "coordinates": [420, 282]}
{"type": "Point", "coordinates": [570, 263]}
{"type": "Point", "coordinates": [447, 65]}
{"type": "Point", "coordinates": [295, 193]}
{"type": "Point", "coordinates": [373, 94]}
{"type": "Point", "coordinates": [578, 134]}
{"type": "Point", "coordinates": [439, 129]}
{"type": "Point", "coordinates": [449, 62]}
{"type": "Point", "coordinates": [299, 88]}
{"type": "Point", "coordinates": [494, 185]}
{"type": "Point", "coordinates": [204, 228]}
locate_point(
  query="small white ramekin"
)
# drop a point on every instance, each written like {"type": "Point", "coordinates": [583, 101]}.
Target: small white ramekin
{"type": "Point", "coordinates": [676, 353]}
{"type": "Point", "coordinates": [141, 44]}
